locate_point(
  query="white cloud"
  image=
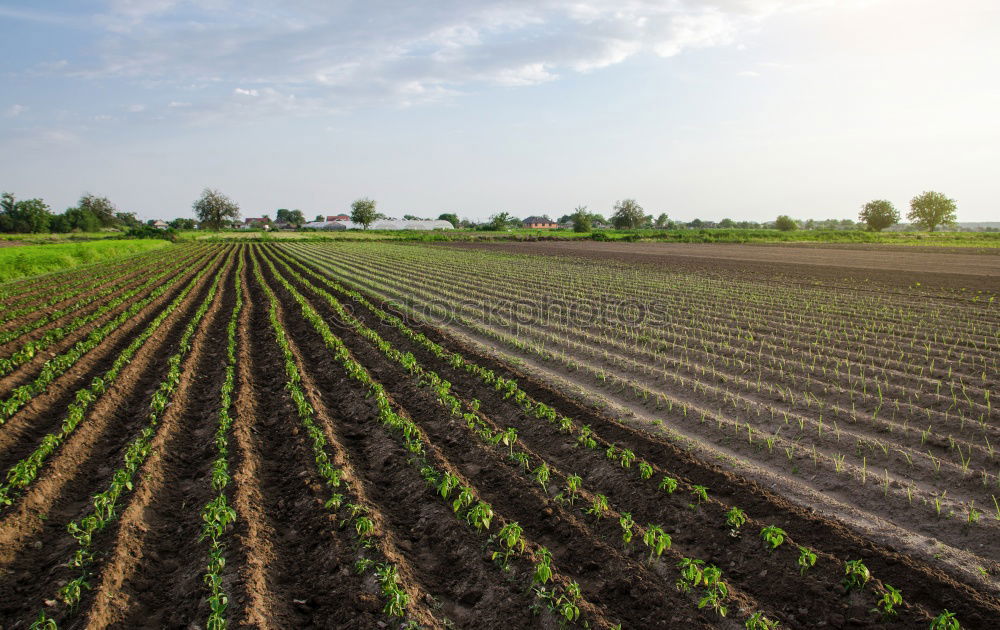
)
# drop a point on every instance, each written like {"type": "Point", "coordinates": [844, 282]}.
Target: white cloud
{"type": "Point", "coordinates": [15, 110]}
{"type": "Point", "coordinates": [344, 55]}
{"type": "Point", "coordinates": [135, 109]}
{"type": "Point", "coordinates": [176, 104]}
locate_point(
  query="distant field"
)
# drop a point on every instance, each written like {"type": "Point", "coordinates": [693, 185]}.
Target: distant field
{"type": "Point", "coordinates": [30, 260]}
{"type": "Point", "coordinates": [949, 239]}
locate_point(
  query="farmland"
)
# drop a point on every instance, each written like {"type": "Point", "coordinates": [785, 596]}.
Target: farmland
{"type": "Point", "coordinates": [364, 435]}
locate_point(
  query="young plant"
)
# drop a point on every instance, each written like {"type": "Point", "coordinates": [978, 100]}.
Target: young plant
{"type": "Point", "coordinates": [700, 494]}
{"type": "Point", "coordinates": [543, 567]}
{"type": "Point", "coordinates": [511, 542]}
{"type": "Point", "coordinates": [645, 470]}
{"type": "Point", "coordinates": [735, 518]}
{"type": "Point", "coordinates": [657, 540]}
{"type": "Point", "coordinates": [758, 621]}
{"type": "Point", "coordinates": [541, 475]}
{"type": "Point", "coordinates": [627, 525]}
{"type": "Point", "coordinates": [807, 559]}
{"type": "Point", "coordinates": [774, 536]}
{"type": "Point", "coordinates": [599, 507]}
{"type": "Point", "coordinates": [945, 621]}
{"type": "Point", "coordinates": [669, 484]}
{"type": "Point", "coordinates": [573, 483]}
{"type": "Point", "coordinates": [886, 606]}
{"type": "Point", "coordinates": [857, 575]}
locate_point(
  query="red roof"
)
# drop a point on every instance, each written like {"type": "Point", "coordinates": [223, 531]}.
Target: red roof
{"type": "Point", "coordinates": [338, 217]}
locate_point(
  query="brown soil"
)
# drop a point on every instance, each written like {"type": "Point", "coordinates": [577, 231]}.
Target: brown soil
{"type": "Point", "coordinates": [34, 544]}
{"type": "Point", "coordinates": [896, 267]}
{"type": "Point", "coordinates": [928, 589]}
{"type": "Point", "coordinates": [290, 563]}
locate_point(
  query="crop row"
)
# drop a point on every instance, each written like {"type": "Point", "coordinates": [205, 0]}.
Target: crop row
{"type": "Point", "coordinates": [536, 467]}
{"type": "Point", "coordinates": [106, 503]}
{"type": "Point", "coordinates": [56, 366]}
{"type": "Point", "coordinates": [923, 468]}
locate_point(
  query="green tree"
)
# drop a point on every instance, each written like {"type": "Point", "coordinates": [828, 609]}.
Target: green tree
{"type": "Point", "coordinates": [28, 216]}
{"type": "Point", "coordinates": [696, 224]}
{"type": "Point", "coordinates": [450, 218]}
{"type": "Point", "coordinates": [931, 209]}
{"type": "Point", "coordinates": [785, 223]}
{"type": "Point", "coordinates": [182, 223]}
{"type": "Point", "coordinates": [320, 217]}
{"type": "Point", "coordinates": [215, 210]}
{"type": "Point", "coordinates": [363, 212]}
{"type": "Point", "coordinates": [663, 221]}
{"type": "Point", "coordinates": [727, 223]}
{"type": "Point", "coordinates": [296, 218]}
{"type": "Point", "coordinates": [879, 214]}
{"type": "Point", "coordinates": [127, 219]}
{"type": "Point", "coordinates": [628, 215]}
{"type": "Point", "coordinates": [502, 221]}
{"type": "Point", "coordinates": [100, 207]}
{"type": "Point", "coordinates": [82, 219]}
{"type": "Point", "coordinates": [581, 220]}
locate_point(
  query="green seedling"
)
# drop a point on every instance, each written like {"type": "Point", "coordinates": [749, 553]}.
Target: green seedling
{"type": "Point", "coordinates": [774, 536]}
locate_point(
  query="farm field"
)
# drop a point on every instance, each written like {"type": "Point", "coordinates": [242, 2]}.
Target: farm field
{"type": "Point", "coordinates": [520, 435]}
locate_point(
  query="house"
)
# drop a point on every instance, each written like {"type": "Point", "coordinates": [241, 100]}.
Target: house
{"type": "Point", "coordinates": [282, 225]}
{"type": "Point", "coordinates": [159, 225]}
{"type": "Point", "coordinates": [339, 217]}
{"type": "Point", "coordinates": [539, 223]}
{"type": "Point", "coordinates": [255, 222]}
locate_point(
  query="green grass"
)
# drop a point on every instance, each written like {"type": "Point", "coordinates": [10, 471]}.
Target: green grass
{"type": "Point", "coordinates": [71, 237]}
{"type": "Point", "coordinates": [30, 260]}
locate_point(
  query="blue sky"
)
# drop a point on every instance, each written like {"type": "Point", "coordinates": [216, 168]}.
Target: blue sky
{"type": "Point", "coordinates": [726, 108]}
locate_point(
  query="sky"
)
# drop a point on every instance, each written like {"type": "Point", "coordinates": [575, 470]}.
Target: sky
{"type": "Point", "coordinates": [723, 108]}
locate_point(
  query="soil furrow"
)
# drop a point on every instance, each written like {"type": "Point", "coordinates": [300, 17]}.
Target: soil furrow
{"type": "Point", "coordinates": [891, 566]}
{"type": "Point", "coordinates": [34, 543]}
{"type": "Point", "coordinates": [149, 578]}
{"type": "Point", "coordinates": [20, 434]}
{"type": "Point", "coordinates": [446, 555]}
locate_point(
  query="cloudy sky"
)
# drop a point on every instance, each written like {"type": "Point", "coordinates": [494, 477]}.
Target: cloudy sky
{"type": "Point", "coordinates": [710, 109]}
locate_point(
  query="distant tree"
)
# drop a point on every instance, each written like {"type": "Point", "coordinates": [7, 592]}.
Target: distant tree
{"type": "Point", "coordinates": [295, 217]}
{"type": "Point", "coordinates": [879, 214]}
{"type": "Point", "coordinates": [628, 215]}
{"type": "Point", "coordinates": [662, 221]}
{"type": "Point", "coordinates": [931, 209]}
{"type": "Point", "coordinates": [502, 221]}
{"type": "Point", "coordinates": [320, 217]}
{"type": "Point", "coordinates": [29, 216]}
{"type": "Point", "coordinates": [127, 219]}
{"type": "Point", "coordinates": [281, 214]}
{"type": "Point", "coordinates": [450, 218]}
{"type": "Point", "coordinates": [581, 220]}
{"type": "Point", "coordinates": [785, 223]}
{"type": "Point", "coordinates": [100, 207]}
{"type": "Point", "coordinates": [363, 212]}
{"type": "Point", "coordinates": [215, 210]}
{"type": "Point", "coordinates": [727, 223]}
{"type": "Point", "coordinates": [696, 224]}
{"type": "Point", "coordinates": [80, 219]}
{"type": "Point", "coordinates": [182, 223]}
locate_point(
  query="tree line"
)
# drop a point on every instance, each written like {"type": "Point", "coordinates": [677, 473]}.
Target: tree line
{"type": "Point", "coordinates": [215, 211]}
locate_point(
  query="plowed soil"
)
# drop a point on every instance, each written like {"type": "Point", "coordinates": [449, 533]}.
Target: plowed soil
{"type": "Point", "coordinates": [293, 561]}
